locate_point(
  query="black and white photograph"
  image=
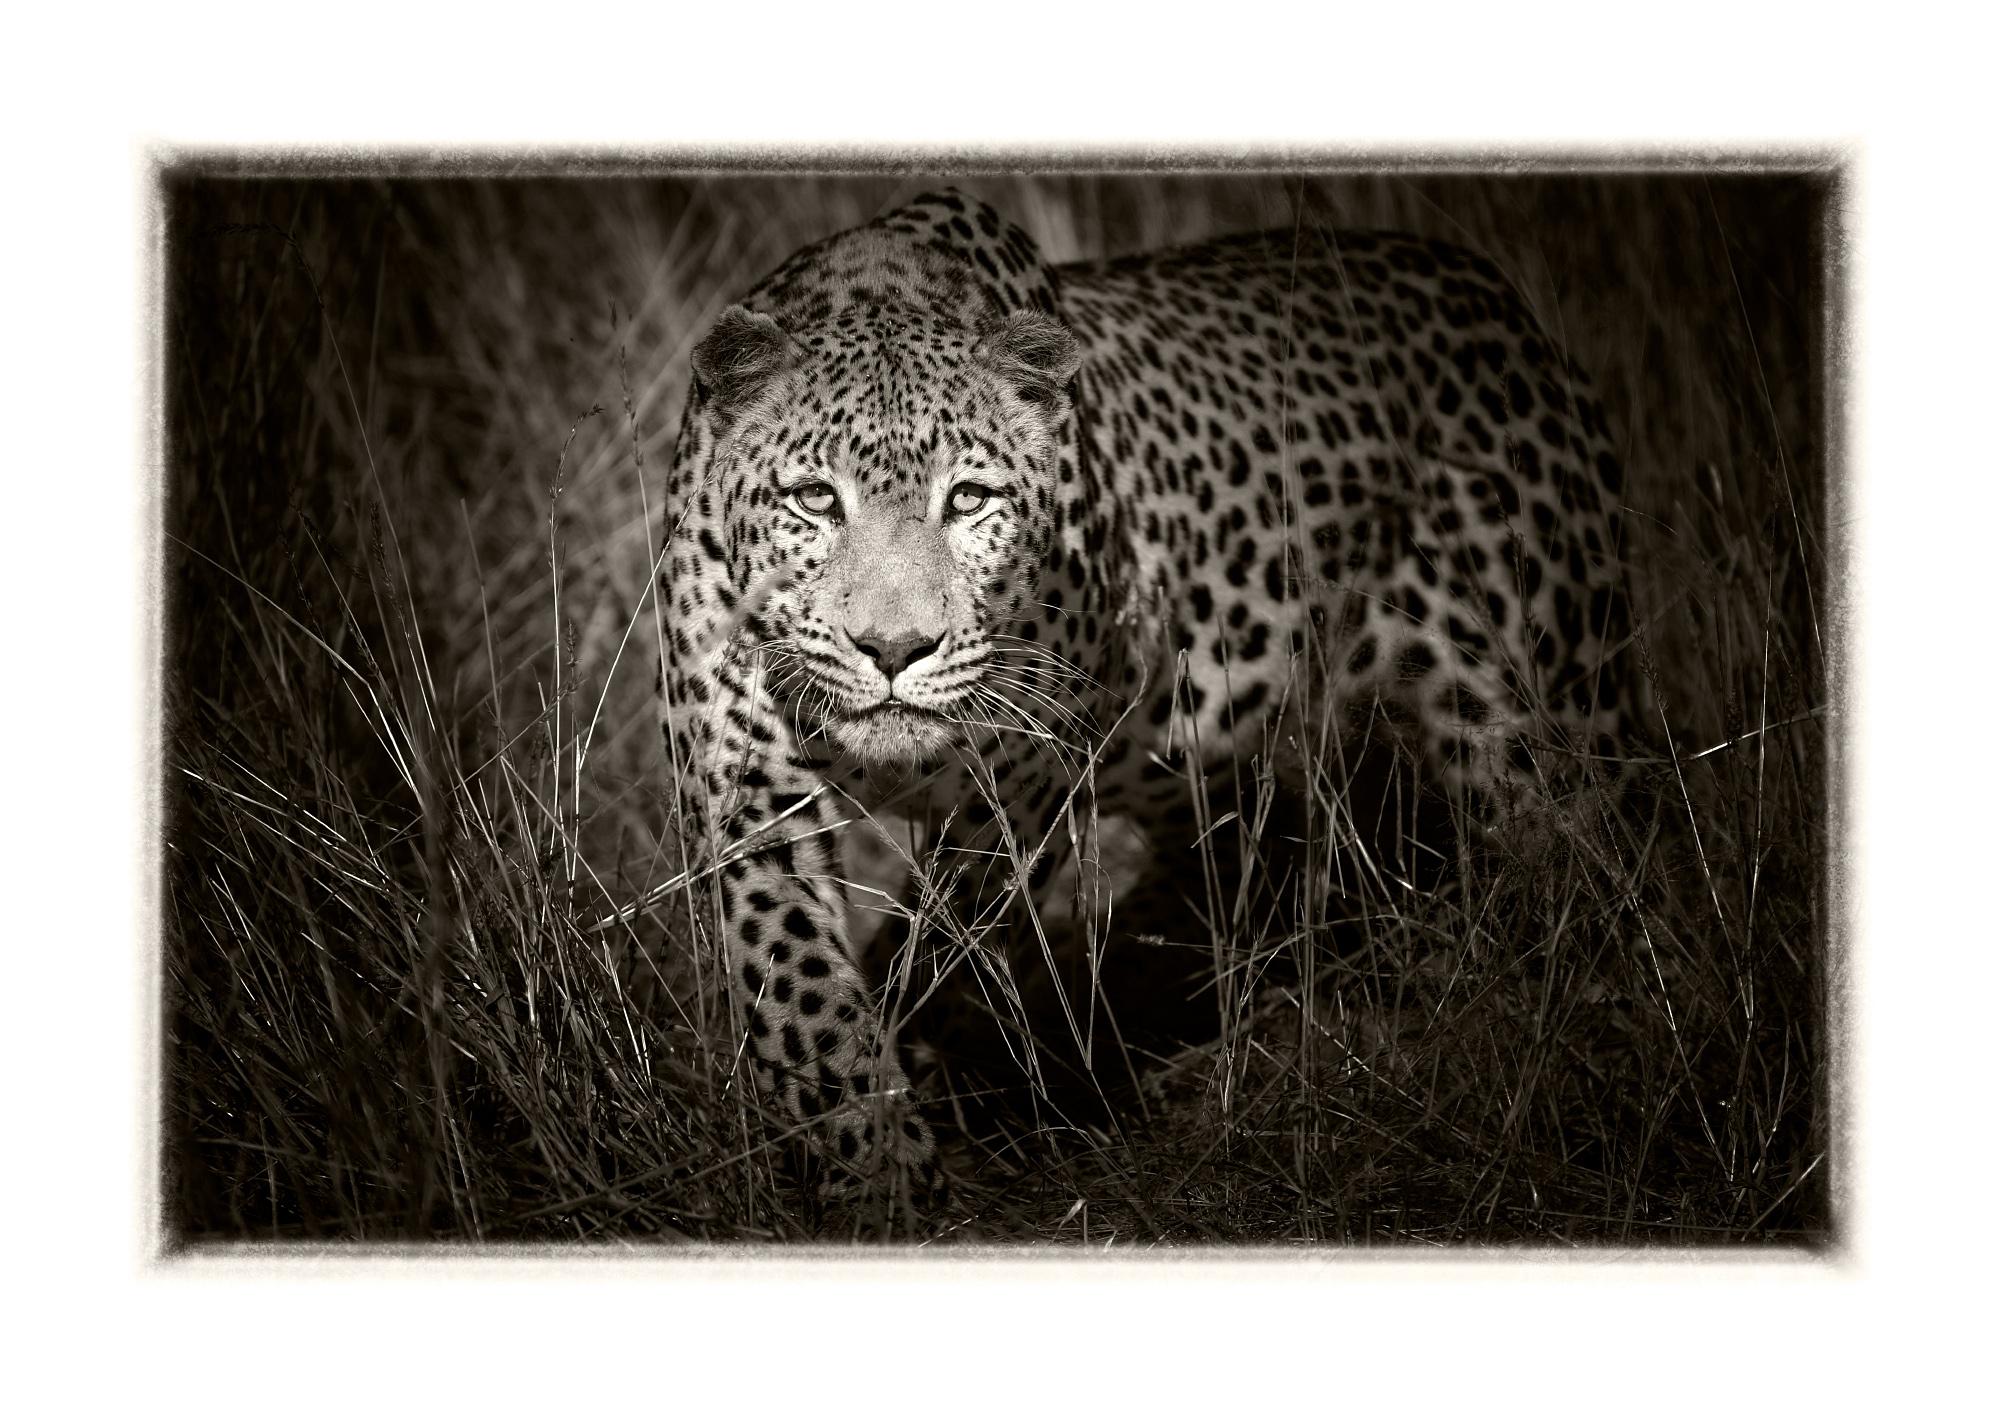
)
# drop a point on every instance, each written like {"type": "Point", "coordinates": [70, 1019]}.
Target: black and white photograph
{"type": "Point", "coordinates": [1137, 709]}
{"type": "Point", "coordinates": [1095, 709]}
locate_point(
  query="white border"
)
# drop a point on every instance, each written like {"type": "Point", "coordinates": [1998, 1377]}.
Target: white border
{"type": "Point", "coordinates": [1892, 1317]}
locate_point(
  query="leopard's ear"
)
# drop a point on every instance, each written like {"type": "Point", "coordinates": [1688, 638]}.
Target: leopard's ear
{"type": "Point", "coordinates": [741, 353]}
{"type": "Point", "coordinates": [1036, 354]}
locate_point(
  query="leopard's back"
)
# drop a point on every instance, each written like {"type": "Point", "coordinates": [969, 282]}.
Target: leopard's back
{"type": "Point", "coordinates": [1358, 455]}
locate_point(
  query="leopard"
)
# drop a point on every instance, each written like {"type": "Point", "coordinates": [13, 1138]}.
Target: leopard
{"type": "Point", "coordinates": [947, 522]}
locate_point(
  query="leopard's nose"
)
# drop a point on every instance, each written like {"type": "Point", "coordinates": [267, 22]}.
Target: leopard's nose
{"type": "Point", "coordinates": [894, 652]}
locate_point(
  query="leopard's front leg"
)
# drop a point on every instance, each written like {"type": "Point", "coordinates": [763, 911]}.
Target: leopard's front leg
{"type": "Point", "coordinates": [813, 1034]}
{"type": "Point", "coordinates": [1000, 893]}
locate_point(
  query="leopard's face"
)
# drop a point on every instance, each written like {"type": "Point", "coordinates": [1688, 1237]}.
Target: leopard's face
{"type": "Point", "coordinates": [888, 507]}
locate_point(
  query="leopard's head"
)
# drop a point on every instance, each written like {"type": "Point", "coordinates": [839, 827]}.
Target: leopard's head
{"type": "Point", "coordinates": [887, 478]}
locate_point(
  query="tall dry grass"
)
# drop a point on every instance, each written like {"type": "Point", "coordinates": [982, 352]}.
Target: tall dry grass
{"type": "Point", "coordinates": [439, 963]}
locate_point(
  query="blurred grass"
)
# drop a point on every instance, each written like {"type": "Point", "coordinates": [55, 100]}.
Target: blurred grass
{"type": "Point", "coordinates": [413, 427]}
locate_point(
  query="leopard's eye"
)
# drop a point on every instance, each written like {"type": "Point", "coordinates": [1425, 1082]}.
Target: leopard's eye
{"type": "Point", "coordinates": [967, 497]}
{"type": "Point", "coordinates": [816, 498]}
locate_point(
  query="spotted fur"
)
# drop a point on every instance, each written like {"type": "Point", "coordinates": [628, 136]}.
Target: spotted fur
{"type": "Point", "coordinates": [941, 516]}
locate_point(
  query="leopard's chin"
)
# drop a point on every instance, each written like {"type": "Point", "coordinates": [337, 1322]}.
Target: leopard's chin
{"type": "Point", "coordinates": [892, 735]}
